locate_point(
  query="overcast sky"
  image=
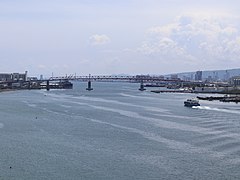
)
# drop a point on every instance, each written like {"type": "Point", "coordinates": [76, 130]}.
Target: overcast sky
{"type": "Point", "coordinates": [113, 37]}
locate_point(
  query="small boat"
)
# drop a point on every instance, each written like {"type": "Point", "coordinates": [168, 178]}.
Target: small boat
{"type": "Point", "coordinates": [191, 103]}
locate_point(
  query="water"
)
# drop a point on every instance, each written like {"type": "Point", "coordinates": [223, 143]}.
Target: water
{"type": "Point", "coordinates": [116, 132]}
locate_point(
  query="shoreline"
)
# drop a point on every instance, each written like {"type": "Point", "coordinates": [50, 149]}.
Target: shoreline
{"type": "Point", "coordinates": [192, 92]}
{"type": "Point", "coordinates": [7, 90]}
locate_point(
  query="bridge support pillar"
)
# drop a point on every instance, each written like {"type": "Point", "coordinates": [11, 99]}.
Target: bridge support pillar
{"type": "Point", "coordinates": [29, 84]}
{"type": "Point", "coordinates": [48, 86]}
{"type": "Point", "coordinates": [142, 87]}
{"type": "Point", "coordinates": [89, 88]}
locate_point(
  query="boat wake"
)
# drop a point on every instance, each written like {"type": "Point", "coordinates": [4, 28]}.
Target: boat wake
{"type": "Point", "coordinates": [216, 109]}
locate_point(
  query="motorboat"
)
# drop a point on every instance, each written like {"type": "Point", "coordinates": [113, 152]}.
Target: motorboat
{"type": "Point", "coordinates": [191, 102]}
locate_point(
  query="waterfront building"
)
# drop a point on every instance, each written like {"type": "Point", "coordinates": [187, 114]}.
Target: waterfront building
{"type": "Point", "coordinates": [5, 77]}
{"type": "Point", "coordinates": [9, 77]}
{"type": "Point", "coordinates": [235, 81]}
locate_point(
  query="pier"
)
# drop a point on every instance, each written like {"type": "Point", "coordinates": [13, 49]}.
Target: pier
{"type": "Point", "coordinates": [170, 91]}
{"type": "Point", "coordinates": [226, 98]}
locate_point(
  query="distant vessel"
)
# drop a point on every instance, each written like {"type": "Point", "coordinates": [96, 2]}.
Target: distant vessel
{"type": "Point", "coordinates": [191, 103]}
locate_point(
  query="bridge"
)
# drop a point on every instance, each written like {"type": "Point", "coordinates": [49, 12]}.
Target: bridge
{"type": "Point", "coordinates": [136, 79]}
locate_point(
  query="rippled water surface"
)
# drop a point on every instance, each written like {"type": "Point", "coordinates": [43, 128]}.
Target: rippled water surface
{"type": "Point", "coordinates": [116, 132]}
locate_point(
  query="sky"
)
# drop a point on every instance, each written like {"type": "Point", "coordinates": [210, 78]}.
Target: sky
{"type": "Point", "coordinates": [107, 37]}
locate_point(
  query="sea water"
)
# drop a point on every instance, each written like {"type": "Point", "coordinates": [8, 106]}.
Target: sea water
{"type": "Point", "coordinates": [116, 132]}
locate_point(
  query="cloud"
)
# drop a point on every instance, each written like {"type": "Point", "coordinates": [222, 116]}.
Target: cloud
{"type": "Point", "coordinates": [203, 39]}
{"type": "Point", "coordinates": [97, 39]}
{"type": "Point", "coordinates": [41, 66]}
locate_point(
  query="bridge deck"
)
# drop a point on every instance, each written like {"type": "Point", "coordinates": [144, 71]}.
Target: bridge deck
{"type": "Point", "coordinates": [115, 78]}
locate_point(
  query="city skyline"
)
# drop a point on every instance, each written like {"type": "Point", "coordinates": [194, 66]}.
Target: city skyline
{"type": "Point", "coordinates": [130, 37]}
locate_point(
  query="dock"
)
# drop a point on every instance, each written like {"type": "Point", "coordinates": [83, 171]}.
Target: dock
{"type": "Point", "coordinates": [170, 91]}
{"type": "Point", "coordinates": [225, 98]}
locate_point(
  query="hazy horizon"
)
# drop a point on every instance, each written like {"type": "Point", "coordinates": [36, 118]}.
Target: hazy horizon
{"type": "Point", "coordinates": [127, 37]}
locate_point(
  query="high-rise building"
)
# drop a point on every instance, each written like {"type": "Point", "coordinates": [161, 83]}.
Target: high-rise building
{"type": "Point", "coordinates": [215, 76]}
{"type": "Point", "coordinates": [174, 77]}
{"type": "Point", "coordinates": [226, 76]}
{"type": "Point", "coordinates": [198, 76]}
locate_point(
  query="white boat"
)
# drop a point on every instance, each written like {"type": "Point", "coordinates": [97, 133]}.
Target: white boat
{"type": "Point", "coordinates": [191, 103]}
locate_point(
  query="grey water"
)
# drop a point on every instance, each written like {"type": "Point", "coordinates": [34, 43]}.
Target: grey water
{"type": "Point", "coordinates": [116, 132]}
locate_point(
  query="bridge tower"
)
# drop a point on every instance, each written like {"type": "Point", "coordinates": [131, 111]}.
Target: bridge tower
{"type": "Point", "coordinates": [29, 84]}
{"type": "Point", "coordinates": [48, 86]}
{"type": "Point", "coordinates": [141, 86]}
{"type": "Point", "coordinates": [89, 88]}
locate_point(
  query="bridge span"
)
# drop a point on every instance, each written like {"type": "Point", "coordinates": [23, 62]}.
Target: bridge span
{"type": "Point", "coordinates": [102, 78]}
{"type": "Point", "coordinates": [138, 78]}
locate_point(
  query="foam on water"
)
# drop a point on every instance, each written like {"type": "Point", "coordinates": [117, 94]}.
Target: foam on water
{"type": "Point", "coordinates": [156, 121]}
{"type": "Point", "coordinates": [74, 99]}
{"type": "Point", "coordinates": [182, 146]}
{"type": "Point", "coordinates": [160, 122]}
{"type": "Point", "coordinates": [216, 109]}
